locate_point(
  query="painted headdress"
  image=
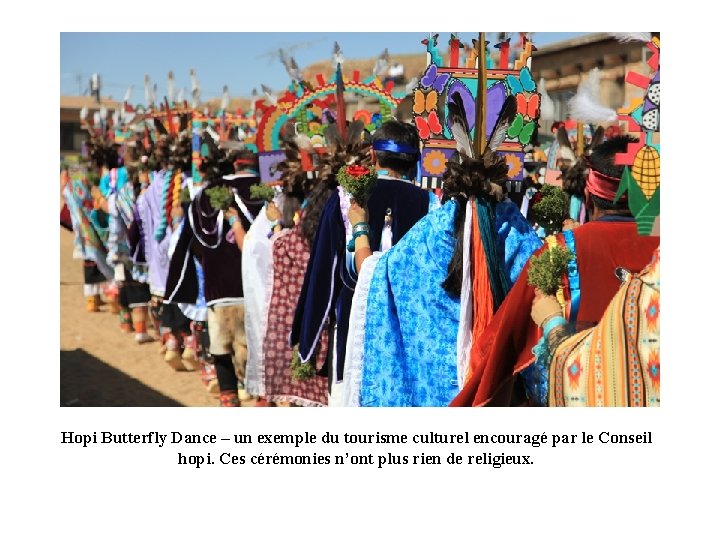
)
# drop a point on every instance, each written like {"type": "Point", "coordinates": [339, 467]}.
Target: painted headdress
{"type": "Point", "coordinates": [441, 81]}
{"type": "Point", "coordinates": [315, 109]}
{"type": "Point", "coordinates": [641, 176]}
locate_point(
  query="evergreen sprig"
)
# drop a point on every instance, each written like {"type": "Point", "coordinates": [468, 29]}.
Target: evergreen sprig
{"type": "Point", "coordinates": [300, 371]}
{"type": "Point", "coordinates": [550, 211]}
{"type": "Point", "coordinates": [262, 192]}
{"type": "Point", "coordinates": [547, 269]}
{"type": "Point", "coordinates": [221, 197]}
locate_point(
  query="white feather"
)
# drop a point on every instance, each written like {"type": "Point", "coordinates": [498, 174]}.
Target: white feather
{"type": "Point", "coordinates": [171, 87]}
{"type": "Point", "coordinates": [116, 117]}
{"type": "Point", "coordinates": [83, 113]}
{"type": "Point", "coordinates": [303, 141]}
{"type": "Point", "coordinates": [213, 133]}
{"type": "Point", "coordinates": [195, 89]}
{"type": "Point", "coordinates": [148, 94]}
{"type": "Point", "coordinates": [103, 113]}
{"type": "Point", "coordinates": [338, 57]}
{"type": "Point", "coordinates": [225, 102]}
{"type": "Point", "coordinates": [625, 37]}
{"type": "Point", "coordinates": [547, 107]}
{"type": "Point", "coordinates": [462, 141]}
{"type": "Point", "coordinates": [128, 93]}
{"type": "Point", "coordinates": [585, 105]}
{"type": "Point", "coordinates": [96, 119]}
{"type": "Point", "coordinates": [181, 95]}
{"type": "Point", "coordinates": [409, 87]}
{"type": "Point", "coordinates": [268, 94]}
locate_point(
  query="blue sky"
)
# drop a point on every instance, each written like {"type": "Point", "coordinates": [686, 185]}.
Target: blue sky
{"type": "Point", "coordinates": [239, 60]}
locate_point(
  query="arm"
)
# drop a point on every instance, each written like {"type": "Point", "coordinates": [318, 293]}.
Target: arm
{"type": "Point", "coordinates": [236, 226]}
{"type": "Point", "coordinates": [357, 215]}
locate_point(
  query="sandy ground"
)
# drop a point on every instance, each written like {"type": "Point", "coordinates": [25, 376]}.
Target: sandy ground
{"type": "Point", "coordinates": [102, 366]}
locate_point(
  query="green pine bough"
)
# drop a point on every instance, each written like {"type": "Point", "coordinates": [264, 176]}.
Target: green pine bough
{"type": "Point", "coordinates": [550, 211]}
{"type": "Point", "coordinates": [300, 371]}
{"type": "Point", "coordinates": [262, 192]}
{"type": "Point", "coordinates": [547, 269]}
{"type": "Point", "coordinates": [358, 181]}
{"type": "Point", "coordinates": [221, 197]}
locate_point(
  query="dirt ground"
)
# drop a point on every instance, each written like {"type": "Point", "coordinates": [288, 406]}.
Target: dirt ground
{"type": "Point", "coordinates": [102, 366]}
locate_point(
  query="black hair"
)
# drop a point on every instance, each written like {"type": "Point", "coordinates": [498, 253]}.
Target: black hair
{"type": "Point", "coordinates": [602, 159]}
{"type": "Point", "coordinates": [406, 134]}
{"type": "Point", "coordinates": [461, 181]}
{"type": "Point", "coordinates": [246, 155]}
{"type": "Point", "coordinates": [574, 179]}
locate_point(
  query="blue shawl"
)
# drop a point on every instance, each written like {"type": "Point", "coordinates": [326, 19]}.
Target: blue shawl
{"type": "Point", "coordinates": [411, 324]}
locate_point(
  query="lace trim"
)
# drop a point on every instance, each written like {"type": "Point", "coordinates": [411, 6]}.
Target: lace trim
{"type": "Point", "coordinates": [354, 356]}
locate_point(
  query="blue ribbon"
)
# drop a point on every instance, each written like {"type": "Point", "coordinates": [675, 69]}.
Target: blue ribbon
{"type": "Point", "coordinates": [391, 146]}
{"type": "Point", "coordinates": [573, 276]}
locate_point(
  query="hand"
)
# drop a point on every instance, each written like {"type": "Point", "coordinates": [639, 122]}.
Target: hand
{"type": "Point", "coordinates": [356, 213]}
{"type": "Point", "coordinates": [544, 307]}
{"type": "Point", "coordinates": [272, 212]}
{"type": "Point", "coordinates": [231, 212]}
{"type": "Point", "coordinates": [570, 224]}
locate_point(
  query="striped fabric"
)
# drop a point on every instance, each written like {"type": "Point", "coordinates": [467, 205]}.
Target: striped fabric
{"type": "Point", "coordinates": [616, 363]}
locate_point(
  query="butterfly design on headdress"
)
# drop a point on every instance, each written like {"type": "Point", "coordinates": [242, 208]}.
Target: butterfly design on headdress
{"type": "Point", "coordinates": [432, 79]}
{"type": "Point", "coordinates": [524, 89]}
{"type": "Point", "coordinates": [429, 125]}
{"type": "Point", "coordinates": [523, 83]}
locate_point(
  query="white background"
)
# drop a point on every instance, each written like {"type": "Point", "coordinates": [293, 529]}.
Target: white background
{"type": "Point", "coordinates": [663, 490]}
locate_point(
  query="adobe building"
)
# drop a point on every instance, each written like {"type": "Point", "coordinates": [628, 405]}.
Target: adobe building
{"type": "Point", "coordinates": [72, 135]}
{"type": "Point", "coordinates": [565, 64]}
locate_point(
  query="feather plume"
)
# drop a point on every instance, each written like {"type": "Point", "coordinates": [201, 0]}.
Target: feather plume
{"type": "Point", "coordinates": [562, 138]}
{"type": "Point", "coordinates": [159, 126]}
{"type": "Point", "coordinates": [459, 126]}
{"type": "Point", "coordinates": [337, 57]}
{"type": "Point", "coordinates": [171, 87]}
{"type": "Point", "coordinates": [194, 89]}
{"type": "Point", "coordinates": [585, 105]}
{"type": "Point", "coordinates": [381, 64]}
{"type": "Point", "coordinates": [231, 145]}
{"type": "Point", "coordinates": [547, 107]}
{"type": "Point", "coordinates": [268, 94]}
{"type": "Point", "coordinates": [626, 37]}
{"type": "Point", "coordinates": [409, 87]}
{"type": "Point", "coordinates": [83, 114]}
{"type": "Point", "coordinates": [225, 102]}
{"type": "Point", "coordinates": [303, 141]}
{"type": "Point", "coordinates": [355, 132]}
{"type": "Point", "coordinates": [148, 91]}
{"type": "Point", "coordinates": [597, 138]}
{"type": "Point", "coordinates": [214, 134]}
{"type": "Point", "coordinates": [499, 132]}
{"type": "Point", "coordinates": [128, 94]}
{"type": "Point", "coordinates": [181, 95]}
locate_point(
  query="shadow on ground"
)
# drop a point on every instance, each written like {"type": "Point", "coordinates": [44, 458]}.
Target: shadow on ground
{"type": "Point", "coordinates": [86, 381]}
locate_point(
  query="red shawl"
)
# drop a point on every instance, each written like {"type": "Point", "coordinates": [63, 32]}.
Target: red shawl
{"type": "Point", "coordinates": [505, 347]}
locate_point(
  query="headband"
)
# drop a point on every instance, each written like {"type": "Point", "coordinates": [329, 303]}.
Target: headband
{"type": "Point", "coordinates": [389, 145]}
{"type": "Point", "coordinates": [603, 186]}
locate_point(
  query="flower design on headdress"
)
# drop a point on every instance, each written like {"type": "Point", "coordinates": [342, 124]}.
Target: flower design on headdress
{"type": "Point", "coordinates": [514, 165]}
{"type": "Point", "coordinates": [435, 162]}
